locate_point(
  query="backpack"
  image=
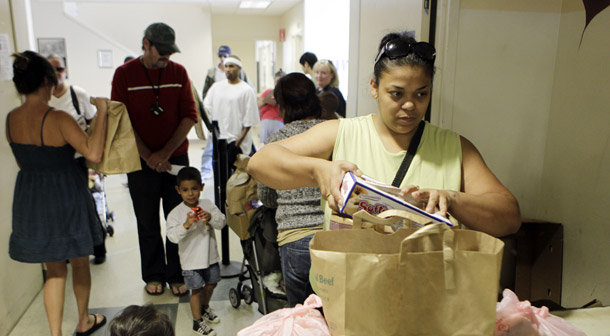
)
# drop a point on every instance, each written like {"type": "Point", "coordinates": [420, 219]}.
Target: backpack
{"type": "Point", "coordinates": [242, 200]}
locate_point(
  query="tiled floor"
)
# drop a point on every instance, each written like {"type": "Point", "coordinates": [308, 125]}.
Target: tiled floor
{"type": "Point", "coordinates": [117, 283]}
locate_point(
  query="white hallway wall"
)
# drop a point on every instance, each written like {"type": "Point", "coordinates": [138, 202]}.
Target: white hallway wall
{"type": "Point", "coordinates": [292, 49]}
{"type": "Point", "coordinates": [503, 94]}
{"type": "Point", "coordinates": [330, 40]}
{"type": "Point", "coordinates": [19, 282]}
{"type": "Point", "coordinates": [535, 104]}
{"type": "Point", "coordinates": [376, 18]}
{"type": "Point", "coordinates": [241, 32]}
{"type": "Point", "coordinates": [575, 179]}
{"type": "Point", "coordinates": [120, 27]}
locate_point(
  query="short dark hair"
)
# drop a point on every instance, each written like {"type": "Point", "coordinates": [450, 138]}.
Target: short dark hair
{"type": "Point", "coordinates": [329, 101]}
{"type": "Point", "coordinates": [309, 58]}
{"type": "Point", "coordinates": [188, 174]}
{"type": "Point", "coordinates": [31, 71]}
{"type": "Point", "coordinates": [297, 98]}
{"type": "Point", "coordinates": [141, 321]}
{"type": "Point", "coordinates": [411, 59]}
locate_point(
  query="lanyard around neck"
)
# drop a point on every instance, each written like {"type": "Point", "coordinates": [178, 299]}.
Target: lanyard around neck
{"type": "Point", "coordinates": [157, 89]}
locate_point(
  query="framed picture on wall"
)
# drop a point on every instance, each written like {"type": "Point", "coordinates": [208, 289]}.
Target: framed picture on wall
{"type": "Point", "coordinates": [52, 46]}
{"type": "Point", "coordinates": [104, 58]}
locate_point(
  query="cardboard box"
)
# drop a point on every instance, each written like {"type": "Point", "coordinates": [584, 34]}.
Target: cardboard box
{"type": "Point", "coordinates": [375, 197]}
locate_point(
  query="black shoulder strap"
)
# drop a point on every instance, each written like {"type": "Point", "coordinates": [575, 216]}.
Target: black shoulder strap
{"type": "Point", "coordinates": [42, 125]}
{"type": "Point", "coordinates": [406, 162]}
{"type": "Point", "coordinates": [74, 100]}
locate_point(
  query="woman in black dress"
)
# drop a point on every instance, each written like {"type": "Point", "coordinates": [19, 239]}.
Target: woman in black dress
{"type": "Point", "coordinates": [54, 218]}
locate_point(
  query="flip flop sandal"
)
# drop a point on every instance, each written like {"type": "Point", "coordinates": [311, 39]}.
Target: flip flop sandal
{"type": "Point", "coordinates": [154, 283]}
{"type": "Point", "coordinates": [175, 287]}
{"type": "Point", "coordinates": [95, 326]}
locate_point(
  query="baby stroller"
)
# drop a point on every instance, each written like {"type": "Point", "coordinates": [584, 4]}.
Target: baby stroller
{"type": "Point", "coordinates": [262, 262]}
{"type": "Point", "coordinates": [96, 187]}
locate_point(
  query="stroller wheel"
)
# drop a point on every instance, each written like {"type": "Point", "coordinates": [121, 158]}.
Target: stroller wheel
{"type": "Point", "coordinates": [246, 292]}
{"type": "Point", "coordinates": [110, 230]}
{"type": "Point", "coordinates": [234, 297]}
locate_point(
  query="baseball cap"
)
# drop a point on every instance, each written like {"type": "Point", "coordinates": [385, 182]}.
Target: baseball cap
{"type": "Point", "coordinates": [163, 37]}
{"type": "Point", "coordinates": [224, 51]}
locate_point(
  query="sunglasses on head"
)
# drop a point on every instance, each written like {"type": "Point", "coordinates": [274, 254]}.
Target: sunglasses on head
{"type": "Point", "coordinates": [398, 48]}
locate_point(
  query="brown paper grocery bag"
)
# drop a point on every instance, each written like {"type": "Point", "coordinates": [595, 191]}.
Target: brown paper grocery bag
{"type": "Point", "coordinates": [387, 221]}
{"type": "Point", "coordinates": [241, 194]}
{"type": "Point", "coordinates": [121, 154]}
{"type": "Point", "coordinates": [429, 281]}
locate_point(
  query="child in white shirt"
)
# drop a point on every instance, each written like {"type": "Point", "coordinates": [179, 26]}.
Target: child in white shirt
{"type": "Point", "coordinates": [191, 225]}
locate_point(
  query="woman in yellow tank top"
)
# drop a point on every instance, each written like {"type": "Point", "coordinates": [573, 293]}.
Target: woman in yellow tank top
{"type": "Point", "coordinates": [449, 169]}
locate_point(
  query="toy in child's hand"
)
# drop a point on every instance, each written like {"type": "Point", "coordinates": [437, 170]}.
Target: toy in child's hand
{"type": "Point", "coordinates": [198, 212]}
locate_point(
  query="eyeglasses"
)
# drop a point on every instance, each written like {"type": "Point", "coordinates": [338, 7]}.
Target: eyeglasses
{"type": "Point", "coordinates": [398, 48]}
{"type": "Point", "coordinates": [60, 69]}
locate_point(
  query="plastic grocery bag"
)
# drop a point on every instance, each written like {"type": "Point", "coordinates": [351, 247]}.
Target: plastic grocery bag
{"type": "Point", "coordinates": [302, 320]}
{"type": "Point", "coordinates": [514, 317]}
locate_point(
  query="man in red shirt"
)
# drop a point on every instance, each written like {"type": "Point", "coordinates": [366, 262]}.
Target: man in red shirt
{"type": "Point", "coordinates": [157, 94]}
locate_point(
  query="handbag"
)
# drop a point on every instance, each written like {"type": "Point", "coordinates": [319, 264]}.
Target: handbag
{"type": "Point", "coordinates": [428, 281]}
{"type": "Point", "coordinates": [242, 199]}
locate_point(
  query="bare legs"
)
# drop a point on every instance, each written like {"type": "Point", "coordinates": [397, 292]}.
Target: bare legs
{"type": "Point", "coordinates": [206, 295]}
{"type": "Point", "coordinates": [54, 292]}
{"type": "Point", "coordinates": [196, 303]}
{"type": "Point", "coordinates": [201, 297]}
{"type": "Point", "coordinates": [55, 288]}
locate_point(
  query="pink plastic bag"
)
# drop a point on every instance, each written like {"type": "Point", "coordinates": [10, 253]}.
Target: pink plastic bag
{"type": "Point", "coordinates": [302, 320]}
{"type": "Point", "coordinates": [520, 318]}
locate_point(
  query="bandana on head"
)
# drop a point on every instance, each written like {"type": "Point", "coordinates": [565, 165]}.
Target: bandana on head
{"type": "Point", "coordinates": [232, 60]}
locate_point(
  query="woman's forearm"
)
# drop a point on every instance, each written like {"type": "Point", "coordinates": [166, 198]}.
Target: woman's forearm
{"type": "Point", "coordinates": [277, 167]}
{"type": "Point", "coordinates": [496, 214]}
{"type": "Point", "coordinates": [97, 140]}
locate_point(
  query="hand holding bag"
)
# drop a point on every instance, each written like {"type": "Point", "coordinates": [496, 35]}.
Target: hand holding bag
{"type": "Point", "coordinates": [121, 154]}
{"type": "Point", "coordinates": [429, 281]}
{"type": "Point", "coordinates": [386, 222]}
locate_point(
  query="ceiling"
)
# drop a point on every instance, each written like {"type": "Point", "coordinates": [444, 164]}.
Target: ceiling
{"type": "Point", "coordinates": [223, 7]}
{"type": "Point", "coordinates": [277, 7]}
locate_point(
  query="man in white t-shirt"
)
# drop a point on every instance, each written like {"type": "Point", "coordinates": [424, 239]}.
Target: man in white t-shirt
{"type": "Point", "coordinates": [216, 74]}
{"type": "Point", "coordinates": [70, 98]}
{"type": "Point", "coordinates": [232, 104]}
{"type": "Point", "coordinates": [75, 101]}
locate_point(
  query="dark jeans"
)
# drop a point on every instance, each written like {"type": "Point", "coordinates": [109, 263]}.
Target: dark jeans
{"type": "Point", "coordinates": [147, 189]}
{"type": "Point", "coordinates": [296, 262]}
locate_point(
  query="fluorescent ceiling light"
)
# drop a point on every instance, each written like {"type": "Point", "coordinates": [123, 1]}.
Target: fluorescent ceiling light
{"type": "Point", "coordinates": [254, 4]}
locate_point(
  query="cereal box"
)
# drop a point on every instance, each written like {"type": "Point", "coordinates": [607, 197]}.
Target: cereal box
{"type": "Point", "coordinates": [375, 197]}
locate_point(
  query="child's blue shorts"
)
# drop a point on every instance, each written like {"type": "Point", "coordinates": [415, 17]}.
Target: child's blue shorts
{"type": "Point", "coordinates": [195, 279]}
